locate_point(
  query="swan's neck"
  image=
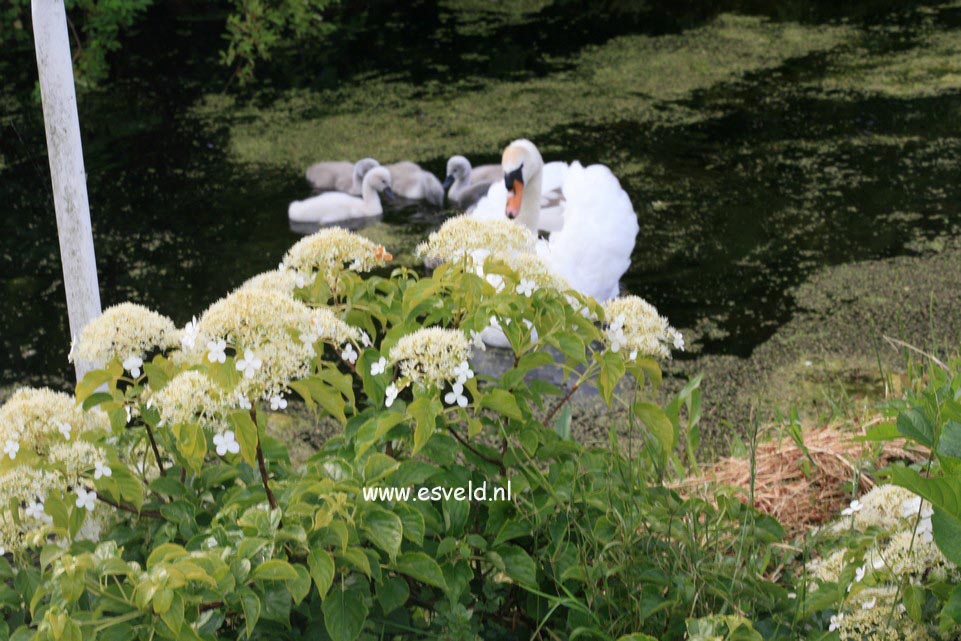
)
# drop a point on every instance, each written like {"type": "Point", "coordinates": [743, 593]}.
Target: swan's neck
{"type": "Point", "coordinates": [371, 199]}
{"type": "Point", "coordinates": [530, 213]}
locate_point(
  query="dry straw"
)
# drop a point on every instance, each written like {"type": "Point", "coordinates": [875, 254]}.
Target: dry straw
{"type": "Point", "coordinates": [803, 496]}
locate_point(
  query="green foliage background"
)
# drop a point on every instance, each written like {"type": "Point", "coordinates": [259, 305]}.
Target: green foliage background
{"type": "Point", "coordinates": [253, 30]}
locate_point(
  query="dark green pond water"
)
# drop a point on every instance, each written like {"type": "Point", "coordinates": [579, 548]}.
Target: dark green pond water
{"type": "Point", "coordinates": [759, 141]}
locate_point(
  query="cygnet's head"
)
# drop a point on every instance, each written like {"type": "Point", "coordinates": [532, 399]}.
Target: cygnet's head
{"type": "Point", "coordinates": [378, 179]}
{"type": "Point", "coordinates": [458, 169]}
{"type": "Point", "coordinates": [362, 166]}
{"type": "Point", "coordinates": [521, 162]}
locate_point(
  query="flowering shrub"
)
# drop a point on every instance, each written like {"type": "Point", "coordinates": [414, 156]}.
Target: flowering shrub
{"type": "Point", "coordinates": [894, 571]}
{"type": "Point", "coordinates": [891, 561]}
{"type": "Point", "coordinates": [154, 505]}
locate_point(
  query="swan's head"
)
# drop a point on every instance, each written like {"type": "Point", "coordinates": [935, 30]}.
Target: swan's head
{"type": "Point", "coordinates": [522, 164]}
{"type": "Point", "coordinates": [458, 170]}
{"type": "Point", "coordinates": [361, 167]}
{"type": "Point", "coordinates": [378, 179]}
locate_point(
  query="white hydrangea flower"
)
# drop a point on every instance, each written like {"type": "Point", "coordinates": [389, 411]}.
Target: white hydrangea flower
{"type": "Point", "coordinates": [836, 621]}
{"type": "Point", "coordinates": [365, 339]}
{"type": "Point", "coordinates": [859, 573]}
{"type": "Point", "coordinates": [378, 367]}
{"type": "Point", "coordinates": [678, 340]}
{"type": "Point", "coordinates": [216, 351]}
{"type": "Point", "coordinates": [188, 335]}
{"type": "Point", "coordinates": [35, 511]}
{"type": "Point", "coordinates": [526, 287]}
{"type": "Point", "coordinates": [102, 470]}
{"type": "Point", "coordinates": [278, 402]}
{"type": "Point", "coordinates": [391, 394]}
{"type": "Point", "coordinates": [463, 372]}
{"type": "Point", "coordinates": [64, 428]}
{"type": "Point", "coordinates": [133, 364]}
{"type": "Point", "coordinates": [456, 395]}
{"type": "Point", "coordinates": [226, 442]}
{"type": "Point", "coordinates": [476, 341]}
{"type": "Point", "coordinates": [852, 509]}
{"type": "Point", "coordinates": [242, 401]}
{"type": "Point", "coordinates": [349, 354]}
{"type": "Point", "coordinates": [86, 499]}
{"type": "Point", "coordinates": [11, 448]}
{"type": "Point", "coordinates": [249, 364]}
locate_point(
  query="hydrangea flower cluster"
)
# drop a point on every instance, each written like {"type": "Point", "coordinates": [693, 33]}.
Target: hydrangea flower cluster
{"type": "Point", "coordinates": [36, 419]}
{"type": "Point", "coordinates": [329, 250]}
{"type": "Point", "coordinates": [900, 552]}
{"type": "Point", "coordinates": [126, 332]}
{"type": "Point", "coordinates": [634, 326]}
{"type": "Point", "coordinates": [877, 614]}
{"type": "Point", "coordinates": [190, 396]}
{"type": "Point", "coordinates": [465, 235]}
{"type": "Point", "coordinates": [280, 280]}
{"type": "Point", "coordinates": [258, 324]}
{"type": "Point", "coordinates": [47, 425]}
{"type": "Point", "coordinates": [431, 356]}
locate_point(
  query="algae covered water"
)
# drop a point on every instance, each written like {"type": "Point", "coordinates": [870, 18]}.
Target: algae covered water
{"type": "Point", "coordinates": [759, 142]}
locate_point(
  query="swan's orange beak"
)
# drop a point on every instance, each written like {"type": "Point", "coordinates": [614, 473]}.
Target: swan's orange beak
{"type": "Point", "coordinates": [514, 200]}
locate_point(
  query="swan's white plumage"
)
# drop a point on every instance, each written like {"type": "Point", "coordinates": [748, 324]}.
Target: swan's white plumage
{"type": "Point", "coordinates": [593, 248]}
{"type": "Point", "coordinates": [591, 221]}
{"type": "Point", "coordinates": [334, 206]}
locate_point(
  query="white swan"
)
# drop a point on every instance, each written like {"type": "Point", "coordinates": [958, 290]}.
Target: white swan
{"type": "Point", "coordinates": [465, 185]}
{"type": "Point", "coordinates": [596, 226]}
{"type": "Point", "coordinates": [339, 175]}
{"type": "Point", "coordinates": [335, 206]}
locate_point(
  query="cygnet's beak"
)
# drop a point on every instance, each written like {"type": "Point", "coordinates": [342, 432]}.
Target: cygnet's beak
{"type": "Point", "coordinates": [389, 194]}
{"type": "Point", "coordinates": [448, 182]}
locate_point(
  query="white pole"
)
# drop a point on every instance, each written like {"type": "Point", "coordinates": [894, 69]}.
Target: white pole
{"type": "Point", "coordinates": [66, 165]}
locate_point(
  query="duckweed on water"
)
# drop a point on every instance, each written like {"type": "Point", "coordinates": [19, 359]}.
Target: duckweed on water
{"type": "Point", "coordinates": [634, 77]}
{"type": "Point", "coordinates": [931, 66]}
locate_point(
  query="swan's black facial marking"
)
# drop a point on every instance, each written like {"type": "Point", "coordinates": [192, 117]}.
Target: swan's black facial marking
{"type": "Point", "coordinates": [516, 175]}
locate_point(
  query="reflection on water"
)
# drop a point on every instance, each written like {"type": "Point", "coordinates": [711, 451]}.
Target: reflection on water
{"type": "Point", "coordinates": [743, 185]}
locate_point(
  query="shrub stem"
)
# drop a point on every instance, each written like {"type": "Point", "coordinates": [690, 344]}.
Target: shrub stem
{"type": "Point", "coordinates": [463, 441]}
{"type": "Point", "coordinates": [562, 402]}
{"type": "Point", "coordinates": [261, 464]}
{"type": "Point", "coordinates": [129, 508]}
{"type": "Point", "coordinates": [156, 450]}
